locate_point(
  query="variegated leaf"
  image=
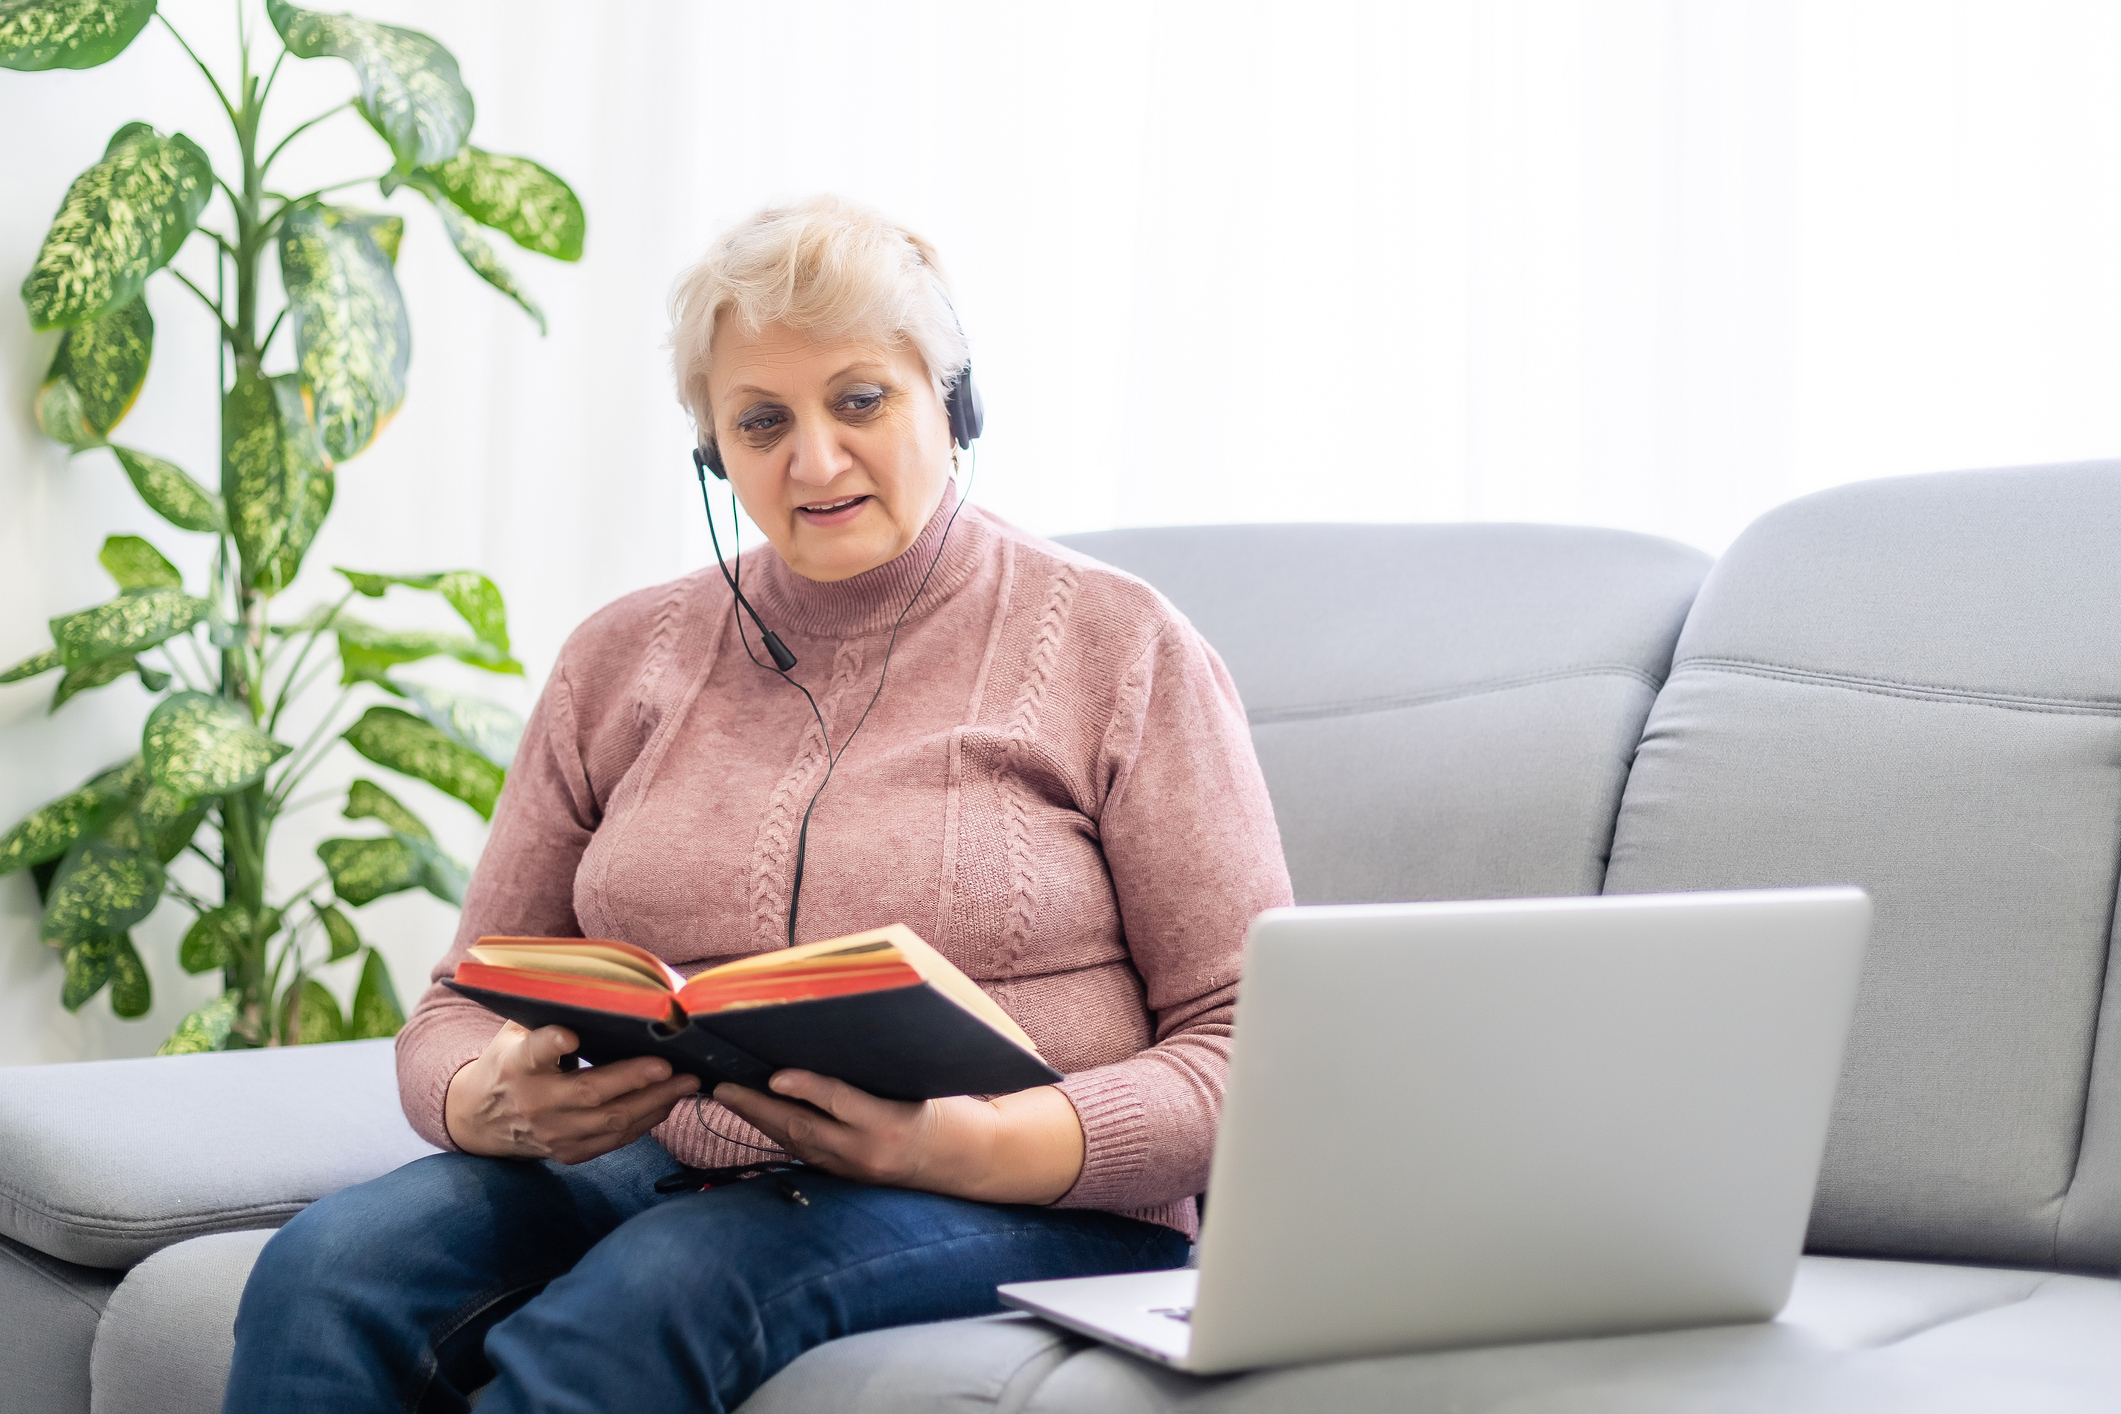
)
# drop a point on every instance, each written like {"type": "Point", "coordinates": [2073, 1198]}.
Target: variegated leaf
{"type": "Point", "coordinates": [486, 727]}
{"type": "Point", "coordinates": [101, 889]}
{"type": "Point", "coordinates": [61, 417]}
{"type": "Point", "coordinates": [163, 821]}
{"type": "Point", "coordinates": [101, 673]}
{"type": "Point", "coordinates": [221, 936]}
{"type": "Point", "coordinates": [376, 1012]}
{"type": "Point", "coordinates": [199, 745]}
{"type": "Point", "coordinates": [68, 34]}
{"type": "Point", "coordinates": [131, 623]}
{"type": "Point", "coordinates": [121, 221]}
{"type": "Point", "coordinates": [274, 478]}
{"type": "Point", "coordinates": [517, 197]}
{"type": "Point", "coordinates": [410, 90]}
{"type": "Point", "coordinates": [132, 996]}
{"type": "Point", "coordinates": [366, 652]}
{"type": "Point", "coordinates": [476, 598]}
{"type": "Point", "coordinates": [374, 585]}
{"type": "Point", "coordinates": [136, 564]}
{"type": "Point", "coordinates": [96, 374]}
{"type": "Point", "coordinates": [397, 739]}
{"type": "Point", "coordinates": [88, 967]}
{"type": "Point", "coordinates": [363, 871]}
{"type": "Point", "coordinates": [464, 235]}
{"type": "Point", "coordinates": [345, 941]}
{"type": "Point", "coordinates": [445, 878]}
{"type": "Point", "coordinates": [477, 601]}
{"type": "Point", "coordinates": [170, 493]}
{"type": "Point", "coordinates": [309, 1015]}
{"type": "Point", "coordinates": [353, 341]}
{"type": "Point", "coordinates": [205, 1029]}
{"type": "Point", "coordinates": [51, 829]}
{"type": "Point", "coordinates": [365, 800]}
{"type": "Point", "coordinates": [30, 667]}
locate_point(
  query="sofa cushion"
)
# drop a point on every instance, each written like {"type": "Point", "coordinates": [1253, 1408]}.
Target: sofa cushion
{"type": "Point", "coordinates": [1858, 1337]}
{"type": "Point", "coordinates": [48, 1315]}
{"type": "Point", "coordinates": [109, 1161]}
{"type": "Point", "coordinates": [1441, 711]}
{"type": "Point", "coordinates": [992, 1365]}
{"type": "Point", "coordinates": [1912, 685]}
{"type": "Point", "coordinates": [170, 1331]}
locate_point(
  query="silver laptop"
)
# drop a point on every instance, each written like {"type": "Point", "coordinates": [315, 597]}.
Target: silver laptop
{"type": "Point", "coordinates": [1455, 1124]}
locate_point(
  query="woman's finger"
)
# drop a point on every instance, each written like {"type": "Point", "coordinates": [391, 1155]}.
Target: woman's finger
{"type": "Point", "coordinates": [835, 1097]}
{"type": "Point", "coordinates": [642, 1107]}
{"type": "Point", "coordinates": [600, 1084]}
{"type": "Point", "coordinates": [787, 1123]}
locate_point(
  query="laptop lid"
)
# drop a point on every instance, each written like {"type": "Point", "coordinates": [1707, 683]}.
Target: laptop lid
{"type": "Point", "coordinates": [1453, 1124]}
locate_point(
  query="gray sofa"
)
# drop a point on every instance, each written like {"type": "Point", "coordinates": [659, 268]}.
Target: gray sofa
{"type": "Point", "coordinates": [1914, 685]}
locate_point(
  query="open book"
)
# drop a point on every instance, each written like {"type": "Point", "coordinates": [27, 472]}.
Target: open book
{"type": "Point", "coordinates": [880, 1010]}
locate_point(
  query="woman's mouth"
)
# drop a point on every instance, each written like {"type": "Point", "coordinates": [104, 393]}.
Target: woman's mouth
{"type": "Point", "coordinates": [837, 512]}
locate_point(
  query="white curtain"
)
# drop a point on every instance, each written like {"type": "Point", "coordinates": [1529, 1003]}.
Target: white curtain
{"type": "Point", "coordinates": [1643, 263]}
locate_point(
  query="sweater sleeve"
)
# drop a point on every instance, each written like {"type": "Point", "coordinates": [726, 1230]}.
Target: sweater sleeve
{"type": "Point", "coordinates": [524, 885]}
{"type": "Point", "coordinates": [1190, 840]}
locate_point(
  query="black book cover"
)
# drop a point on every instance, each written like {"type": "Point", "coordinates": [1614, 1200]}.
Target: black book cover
{"type": "Point", "coordinates": [904, 1043]}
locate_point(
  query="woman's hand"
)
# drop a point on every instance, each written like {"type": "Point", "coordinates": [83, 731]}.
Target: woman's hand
{"type": "Point", "coordinates": [1021, 1148]}
{"type": "Point", "coordinates": [514, 1101]}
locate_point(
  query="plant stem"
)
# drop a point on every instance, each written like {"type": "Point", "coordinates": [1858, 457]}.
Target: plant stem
{"type": "Point", "coordinates": [205, 299]}
{"type": "Point", "coordinates": [289, 203]}
{"type": "Point", "coordinates": [266, 342]}
{"type": "Point", "coordinates": [288, 682]}
{"type": "Point", "coordinates": [226, 106]}
{"type": "Point", "coordinates": [300, 128]}
{"type": "Point", "coordinates": [269, 77]}
{"type": "Point", "coordinates": [177, 668]}
{"type": "Point", "coordinates": [291, 776]}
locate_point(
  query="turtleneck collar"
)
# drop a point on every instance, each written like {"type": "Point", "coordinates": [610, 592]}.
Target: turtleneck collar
{"type": "Point", "coordinates": [870, 601]}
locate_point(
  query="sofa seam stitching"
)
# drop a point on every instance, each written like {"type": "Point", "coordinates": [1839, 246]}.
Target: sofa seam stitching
{"type": "Point", "coordinates": [121, 1226]}
{"type": "Point", "coordinates": [54, 1280]}
{"type": "Point", "coordinates": [1887, 687]}
{"type": "Point", "coordinates": [1364, 706]}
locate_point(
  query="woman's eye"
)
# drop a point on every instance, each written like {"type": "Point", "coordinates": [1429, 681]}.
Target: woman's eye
{"type": "Point", "coordinates": [861, 402]}
{"type": "Point", "coordinates": [764, 422]}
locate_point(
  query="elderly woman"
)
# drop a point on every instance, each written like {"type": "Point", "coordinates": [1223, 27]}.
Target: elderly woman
{"type": "Point", "coordinates": [1054, 786]}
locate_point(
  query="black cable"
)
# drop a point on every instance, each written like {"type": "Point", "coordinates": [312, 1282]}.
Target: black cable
{"type": "Point", "coordinates": [832, 758]}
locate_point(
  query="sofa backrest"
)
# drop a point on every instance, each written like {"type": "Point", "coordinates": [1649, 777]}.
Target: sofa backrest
{"type": "Point", "coordinates": [1442, 711]}
{"type": "Point", "coordinates": [1915, 685]}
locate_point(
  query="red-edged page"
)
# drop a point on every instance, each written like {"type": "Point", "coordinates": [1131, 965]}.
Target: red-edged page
{"type": "Point", "coordinates": [646, 1002]}
{"type": "Point", "coordinates": [712, 996]}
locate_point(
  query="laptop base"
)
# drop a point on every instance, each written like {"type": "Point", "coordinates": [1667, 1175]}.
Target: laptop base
{"type": "Point", "coordinates": [1148, 1313]}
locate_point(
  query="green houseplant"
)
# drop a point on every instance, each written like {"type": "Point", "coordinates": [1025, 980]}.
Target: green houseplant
{"type": "Point", "coordinates": [189, 817]}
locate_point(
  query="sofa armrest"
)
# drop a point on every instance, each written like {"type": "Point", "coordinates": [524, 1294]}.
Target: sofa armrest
{"type": "Point", "coordinates": [105, 1162]}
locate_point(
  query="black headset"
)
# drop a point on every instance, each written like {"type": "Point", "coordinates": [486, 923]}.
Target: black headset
{"type": "Point", "coordinates": [968, 417]}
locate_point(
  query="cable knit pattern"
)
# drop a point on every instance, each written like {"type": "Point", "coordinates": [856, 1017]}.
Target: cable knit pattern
{"type": "Point", "coordinates": [1023, 725]}
{"type": "Point", "coordinates": [1057, 788]}
{"type": "Point", "coordinates": [774, 873]}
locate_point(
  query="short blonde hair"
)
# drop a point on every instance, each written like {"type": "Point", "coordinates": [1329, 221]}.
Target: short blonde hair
{"type": "Point", "coordinates": [825, 266]}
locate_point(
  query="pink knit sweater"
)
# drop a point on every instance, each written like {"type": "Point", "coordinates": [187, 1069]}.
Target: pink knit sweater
{"type": "Point", "coordinates": [1057, 790]}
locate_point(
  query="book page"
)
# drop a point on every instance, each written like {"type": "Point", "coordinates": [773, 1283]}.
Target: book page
{"type": "Point", "coordinates": [581, 957]}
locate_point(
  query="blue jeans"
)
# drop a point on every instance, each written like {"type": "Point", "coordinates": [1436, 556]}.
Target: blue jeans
{"type": "Point", "coordinates": [582, 1289]}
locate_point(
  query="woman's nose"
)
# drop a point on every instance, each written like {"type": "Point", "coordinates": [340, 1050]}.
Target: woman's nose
{"type": "Point", "coordinates": [818, 457]}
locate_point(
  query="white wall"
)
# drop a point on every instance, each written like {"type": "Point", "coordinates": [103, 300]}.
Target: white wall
{"type": "Point", "coordinates": [1640, 262]}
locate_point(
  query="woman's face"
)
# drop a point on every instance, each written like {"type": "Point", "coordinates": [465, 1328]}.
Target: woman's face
{"type": "Point", "coordinates": [838, 449]}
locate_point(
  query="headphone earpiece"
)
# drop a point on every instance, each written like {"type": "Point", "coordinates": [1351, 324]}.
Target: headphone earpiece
{"type": "Point", "coordinates": [968, 415]}
{"type": "Point", "coordinates": [709, 458]}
